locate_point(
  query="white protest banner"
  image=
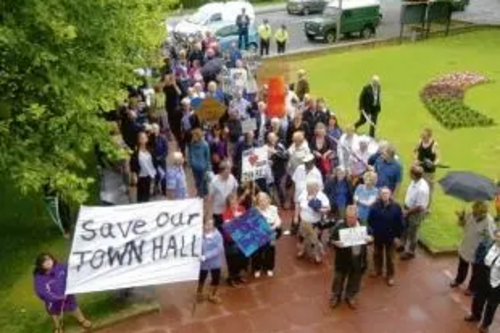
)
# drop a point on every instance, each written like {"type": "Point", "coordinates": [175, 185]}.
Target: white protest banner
{"type": "Point", "coordinates": [248, 125]}
{"type": "Point", "coordinates": [254, 164]}
{"type": "Point", "coordinates": [353, 236]}
{"type": "Point", "coordinates": [118, 247]}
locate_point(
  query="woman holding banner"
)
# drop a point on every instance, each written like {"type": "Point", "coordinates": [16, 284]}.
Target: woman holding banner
{"type": "Point", "coordinates": [264, 258]}
{"type": "Point", "coordinates": [236, 261]}
{"type": "Point", "coordinates": [211, 262]}
{"type": "Point", "coordinates": [50, 286]}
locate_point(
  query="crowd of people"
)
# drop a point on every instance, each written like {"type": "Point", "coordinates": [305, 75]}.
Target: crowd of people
{"type": "Point", "coordinates": [328, 175]}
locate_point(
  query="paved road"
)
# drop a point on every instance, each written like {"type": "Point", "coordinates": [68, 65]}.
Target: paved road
{"type": "Point", "coordinates": [277, 15]}
{"type": "Point", "coordinates": [484, 11]}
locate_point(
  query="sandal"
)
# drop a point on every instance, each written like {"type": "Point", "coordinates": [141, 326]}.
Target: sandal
{"type": "Point", "coordinates": [85, 324]}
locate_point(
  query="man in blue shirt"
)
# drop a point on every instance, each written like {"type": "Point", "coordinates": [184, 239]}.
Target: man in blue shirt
{"type": "Point", "coordinates": [385, 220]}
{"type": "Point", "coordinates": [389, 170]}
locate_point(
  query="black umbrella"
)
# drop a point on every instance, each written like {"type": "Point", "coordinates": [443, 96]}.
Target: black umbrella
{"type": "Point", "coordinates": [212, 68]}
{"type": "Point", "coordinates": [468, 186]}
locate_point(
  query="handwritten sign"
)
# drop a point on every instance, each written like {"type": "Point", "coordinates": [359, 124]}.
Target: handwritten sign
{"type": "Point", "coordinates": [254, 164]}
{"type": "Point", "coordinates": [119, 247]}
{"type": "Point", "coordinates": [249, 125]}
{"type": "Point", "coordinates": [249, 231]}
{"type": "Point", "coordinates": [353, 236]}
{"type": "Point", "coordinates": [210, 110]}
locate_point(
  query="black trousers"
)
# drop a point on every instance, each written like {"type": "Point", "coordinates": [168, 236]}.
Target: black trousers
{"type": "Point", "coordinates": [462, 272]}
{"type": "Point", "coordinates": [264, 258]}
{"type": "Point", "coordinates": [264, 47]}
{"type": "Point", "coordinates": [243, 39]}
{"type": "Point", "coordinates": [281, 47]}
{"type": "Point", "coordinates": [236, 261]}
{"type": "Point", "coordinates": [486, 299]}
{"type": "Point", "coordinates": [218, 221]}
{"type": "Point", "coordinates": [143, 189]}
{"type": "Point", "coordinates": [346, 283]}
{"type": "Point", "coordinates": [362, 120]}
{"type": "Point", "coordinates": [215, 274]}
{"type": "Point", "coordinates": [384, 251]}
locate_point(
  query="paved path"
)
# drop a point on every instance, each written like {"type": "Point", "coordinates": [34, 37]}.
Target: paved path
{"type": "Point", "coordinates": [296, 300]}
{"type": "Point", "coordinates": [481, 12]}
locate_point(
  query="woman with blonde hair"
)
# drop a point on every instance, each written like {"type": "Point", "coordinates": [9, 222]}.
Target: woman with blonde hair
{"type": "Point", "coordinates": [311, 206]}
{"type": "Point", "coordinates": [366, 194]}
{"type": "Point", "coordinates": [264, 258]}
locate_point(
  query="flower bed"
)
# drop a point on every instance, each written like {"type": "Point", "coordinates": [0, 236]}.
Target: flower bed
{"type": "Point", "coordinates": [444, 98]}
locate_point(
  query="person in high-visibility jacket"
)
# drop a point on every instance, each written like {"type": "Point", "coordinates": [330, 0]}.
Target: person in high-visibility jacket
{"type": "Point", "coordinates": [265, 33]}
{"type": "Point", "coordinates": [281, 37]}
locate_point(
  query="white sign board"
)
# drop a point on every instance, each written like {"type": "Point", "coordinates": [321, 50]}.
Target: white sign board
{"type": "Point", "coordinates": [254, 164]}
{"type": "Point", "coordinates": [353, 236]}
{"type": "Point", "coordinates": [135, 245]}
{"type": "Point", "coordinates": [248, 125]}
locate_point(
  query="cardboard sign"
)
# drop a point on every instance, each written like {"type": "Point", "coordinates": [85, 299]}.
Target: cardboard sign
{"type": "Point", "coordinates": [353, 236]}
{"type": "Point", "coordinates": [126, 246]}
{"type": "Point", "coordinates": [210, 110]}
{"type": "Point", "coordinates": [249, 231]}
{"type": "Point", "coordinates": [254, 164]}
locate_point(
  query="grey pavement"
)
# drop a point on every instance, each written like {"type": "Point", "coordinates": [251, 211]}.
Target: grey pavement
{"type": "Point", "coordinates": [479, 11]}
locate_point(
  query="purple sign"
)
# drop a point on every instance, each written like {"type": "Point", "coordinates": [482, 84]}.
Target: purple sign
{"type": "Point", "coordinates": [249, 231]}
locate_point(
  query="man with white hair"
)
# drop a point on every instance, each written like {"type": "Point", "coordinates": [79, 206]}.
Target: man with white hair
{"type": "Point", "coordinates": [369, 105]}
{"type": "Point", "coordinates": [176, 178]}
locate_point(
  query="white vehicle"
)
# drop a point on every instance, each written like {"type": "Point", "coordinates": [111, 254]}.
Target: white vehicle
{"type": "Point", "coordinates": [199, 22]}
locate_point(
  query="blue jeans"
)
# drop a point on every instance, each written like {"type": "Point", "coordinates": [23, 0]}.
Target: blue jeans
{"type": "Point", "coordinates": [200, 182]}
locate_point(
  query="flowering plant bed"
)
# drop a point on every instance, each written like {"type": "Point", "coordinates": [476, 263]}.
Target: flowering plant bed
{"type": "Point", "coordinates": [444, 98]}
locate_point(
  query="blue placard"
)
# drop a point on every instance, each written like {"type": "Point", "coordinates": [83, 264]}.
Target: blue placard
{"type": "Point", "coordinates": [250, 232]}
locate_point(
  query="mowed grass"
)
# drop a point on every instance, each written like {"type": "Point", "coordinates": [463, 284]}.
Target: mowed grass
{"type": "Point", "coordinates": [27, 230]}
{"type": "Point", "coordinates": [404, 70]}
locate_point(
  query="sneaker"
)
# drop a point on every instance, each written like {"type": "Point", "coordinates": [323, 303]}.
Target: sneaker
{"type": "Point", "coordinates": [390, 282]}
{"type": "Point", "coordinates": [407, 256]}
{"type": "Point", "coordinates": [334, 302]}
{"type": "Point", "coordinates": [351, 303]}
{"type": "Point", "coordinates": [287, 233]}
{"type": "Point", "coordinates": [256, 274]}
{"type": "Point", "coordinates": [471, 319]}
{"type": "Point", "coordinates": [270, 274]}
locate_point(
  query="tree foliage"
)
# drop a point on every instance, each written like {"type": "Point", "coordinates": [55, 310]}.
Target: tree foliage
{"type": "Point", "coordinates": [62, 62]}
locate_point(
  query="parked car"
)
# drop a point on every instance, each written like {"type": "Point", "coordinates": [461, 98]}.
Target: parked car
{"type": "Point", "coordinates": [356, 16]}
{"type": "Point", "coordinates": [227, 32]}
{"type": "Point", "coordinates": [210, 13]}
{"type": "Point", "coordinates": [305, 7]}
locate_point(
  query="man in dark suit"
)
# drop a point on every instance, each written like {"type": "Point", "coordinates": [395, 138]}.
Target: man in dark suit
{"type": "Point", "coordinates": [369, 105]}
{"type": "Point", "coordinates": [243, 22]}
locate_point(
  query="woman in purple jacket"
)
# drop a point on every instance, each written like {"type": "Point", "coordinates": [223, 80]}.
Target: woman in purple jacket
{"type": "Point", "coordinates": [211, 261]}
{"type": "Point", "coordinates": [50, 287]}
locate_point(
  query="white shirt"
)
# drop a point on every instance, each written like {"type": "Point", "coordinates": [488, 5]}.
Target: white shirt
{"type": "Point", "coordinates": [239, 78]}
{"type": "Point", "coordinates": [219, 191]}
{"type": "Point", "coordinates": [346, 145]}
{"type": "Point", "coordinates": [290, 109]}
{"type": "Point", "coordinates": [418, 194]}
{"type": "Point", "coordinates": [297, 154]}
{"type": "Point", "coordinates": [271, 215]}
{"type": "Point", "coordinates": [492, 260]}
{"type": "Point", "coordinates": [307, 214]}
{"type": "Point", "coordinates": [146, 164]}
{"type": "Point", "coordinates": [300, 179]}
{"type": "Point", "coordinates": [474, 233]}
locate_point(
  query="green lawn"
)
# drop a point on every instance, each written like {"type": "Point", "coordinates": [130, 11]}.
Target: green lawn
{"type": "Point", "coordinates": [404, 70]}
{"type": "Point", "coordinates": [26, 231]}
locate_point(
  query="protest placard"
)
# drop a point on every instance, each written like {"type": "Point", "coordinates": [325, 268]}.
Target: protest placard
{"type": "Point", "coordinates": [135, 245]}
{"type": "Point", "coordinates": [210, 110]}
{"type": "Point", "coordinates": [249, 231]}
{"type": "Point", "coordinates": [353, 236]}
{"type": "Point", "coordinates": [254, 164]}
{"type": "Point", "coordinates": [248, 125]}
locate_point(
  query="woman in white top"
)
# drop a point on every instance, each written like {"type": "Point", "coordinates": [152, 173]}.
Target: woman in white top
{"type": "Point", "coordinates": [487, 294]}
{"type": "Point", "coordinates": [478, 225]}
{"type": "Point", "coordinates": [142, 168]}
{"type": "Point", "coordinates": [264, 258]}
{"type": "Point", "coordinates": [311, 206]}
